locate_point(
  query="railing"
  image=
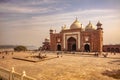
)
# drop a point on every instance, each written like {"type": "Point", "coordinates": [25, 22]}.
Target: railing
{"type": "Point", "coordinates": [6, 74]}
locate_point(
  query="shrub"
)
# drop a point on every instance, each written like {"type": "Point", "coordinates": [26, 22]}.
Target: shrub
{"type": "Point", "coordinates": [20, 48]}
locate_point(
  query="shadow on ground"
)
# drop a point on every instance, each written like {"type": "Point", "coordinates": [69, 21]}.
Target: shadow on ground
{"type": "Point", "coordinates": [115, 62]}
{"type": "Point", "coordinates": [114, 73]}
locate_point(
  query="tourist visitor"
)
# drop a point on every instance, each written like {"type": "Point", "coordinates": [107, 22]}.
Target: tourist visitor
{"type": "Point", "coordinates": [59, 54]}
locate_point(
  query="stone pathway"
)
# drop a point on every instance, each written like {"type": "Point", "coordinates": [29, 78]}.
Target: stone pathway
{"type": "Point", "coordinates": [68, 67]}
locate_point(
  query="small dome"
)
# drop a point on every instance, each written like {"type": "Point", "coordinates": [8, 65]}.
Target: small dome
{"type": "Point", "coordinates": [47, 39]}
{"type": "Point", "coordinates": [90, 26]}
{"type": "Point", "coordinates": [63, 27]}
{"type": "Point", "coordinates": [99, 24]}
{"type": "Point", "coordinates": [76, 24]}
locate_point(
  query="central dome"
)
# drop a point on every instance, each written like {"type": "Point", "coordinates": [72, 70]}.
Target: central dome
{"type": "Point", "coordinates": [76, 24]}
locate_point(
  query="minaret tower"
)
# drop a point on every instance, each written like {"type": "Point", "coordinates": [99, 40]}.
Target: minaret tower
{"type": "Point", "coordinates": [100, 37]}
{"type": "Point", "coordinates": [51, 35]}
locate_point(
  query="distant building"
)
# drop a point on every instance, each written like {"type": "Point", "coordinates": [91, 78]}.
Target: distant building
{"type": "Point", "coordinates": [77, 38]}
{"type": "Point", "coordinates": [46, 44]}
{"type": "Point", "coordinates": [111, 48]}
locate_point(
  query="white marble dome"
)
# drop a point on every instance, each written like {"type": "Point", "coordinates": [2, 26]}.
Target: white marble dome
{"type": "Point", "coordinates": [76, 24]}
{"type": "Point", "coordinates": [47, 39]}
{"type": "Point", "coordinates": [90, 26]}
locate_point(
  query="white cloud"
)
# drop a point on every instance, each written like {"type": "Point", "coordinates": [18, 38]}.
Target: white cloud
{"type": "Point", "coordinates": [67, 18]}
{"type": "Point", "coordinates": [32, 6]}
{"type": "Point", "coordinates": [19, 9]}
{"type": "Point", "coordinates": [38, 26]}
{"type": "Point", "coordinates": [39, 2]}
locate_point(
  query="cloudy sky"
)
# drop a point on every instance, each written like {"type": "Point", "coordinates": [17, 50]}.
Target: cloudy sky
{"type": "Point", "coordinates": [27, 22]}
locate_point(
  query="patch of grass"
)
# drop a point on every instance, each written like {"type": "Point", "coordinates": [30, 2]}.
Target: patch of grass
{"type": "Point", "coordinates": [114, 73]}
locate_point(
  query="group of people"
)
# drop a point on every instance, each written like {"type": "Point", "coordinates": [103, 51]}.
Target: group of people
{"type": "Point", "coordinates": [59, 54]}
{"type": "Point", "coordinates": [4, 53]}
{"type": "Point", "coordinates": [104, 54]}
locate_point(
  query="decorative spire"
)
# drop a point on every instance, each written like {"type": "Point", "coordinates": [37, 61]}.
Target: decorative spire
{"type": "Point", "coordinates": [76, 19]}
{"type": "Point", "coordinates": [61, 27]}
{"type": "Point", "coordinates": [98, 24]}
{"type": "Point", "coordinates": [51, 30]}
{"type": "Point", "coordinates": [64, 25]}
{"type": "Point", "coordinates": [55, 30]}
{"type": "Point", "coordinates": [89, 22]}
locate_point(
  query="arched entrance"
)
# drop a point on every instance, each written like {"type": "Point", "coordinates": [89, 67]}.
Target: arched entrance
{"type": "Point", "coordinates": [74, 47]}
{"type": "Point", "coordinates": [71, 44]}
{"type": "Point", "coordinates": [112, 50]}
{"type": "Point", "coordinates": [87, 48]}
{"type": "Point", "coordinates": [108, 49]}
{"type": "Point", "coordinates": [117, 50]}
{"type": "Point", "coordinates": [58, 47]}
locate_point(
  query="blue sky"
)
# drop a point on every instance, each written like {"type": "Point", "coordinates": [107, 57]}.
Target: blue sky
{"type": "Point", "coordinates": [27, 22]}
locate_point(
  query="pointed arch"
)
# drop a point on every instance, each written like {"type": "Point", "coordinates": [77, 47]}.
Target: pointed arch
{"type": "Point", "coordinates": [87, 48]}
{"type": "Point", "coordinates": [71, 43]}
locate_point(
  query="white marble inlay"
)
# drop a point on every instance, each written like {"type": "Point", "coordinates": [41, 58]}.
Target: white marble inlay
{"type": "Point", "coordinates": [71, 34]}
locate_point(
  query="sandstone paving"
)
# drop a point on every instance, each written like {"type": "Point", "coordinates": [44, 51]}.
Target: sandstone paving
{"type": "Point", "coordinates": [68, 67]}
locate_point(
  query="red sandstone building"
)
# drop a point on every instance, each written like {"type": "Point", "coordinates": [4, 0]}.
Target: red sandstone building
{"type": "Point", "coordinates": [111, 48]}
{"type": "Point", "coordinates": [77, 38]}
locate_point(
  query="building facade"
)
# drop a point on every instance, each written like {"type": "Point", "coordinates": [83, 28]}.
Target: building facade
{"type": "Point", "coordinates": [111, 48]}
{"type": "Point", "coordinates": [77, 38]}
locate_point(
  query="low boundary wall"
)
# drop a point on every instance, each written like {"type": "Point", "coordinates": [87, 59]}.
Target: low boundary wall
{"type": "Point", "coordinates": [6, 74]}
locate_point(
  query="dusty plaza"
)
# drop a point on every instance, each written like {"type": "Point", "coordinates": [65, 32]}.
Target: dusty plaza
{"type": "Point", "coordinates": [69, 66]}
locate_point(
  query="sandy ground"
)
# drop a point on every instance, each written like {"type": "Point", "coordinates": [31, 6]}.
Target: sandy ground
{"type": "Point", "coordinates": [68, 67]}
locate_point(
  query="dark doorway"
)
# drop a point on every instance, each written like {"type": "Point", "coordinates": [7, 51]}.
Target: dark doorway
{"type": "Point", "coordinates": [87, 48]}
{"type": "Point", "coordinates": [71, 44]}
{"type": "Point", "coordinates": [74, 47]}
{"type": "Point", "coordinates": [108, 49]}
{"type": "Point", "coordinates": [117, 50]}
{"type": "Point", "coordinates": [58, 47]}
{"type": "Point", "coordinates": [112, 50]}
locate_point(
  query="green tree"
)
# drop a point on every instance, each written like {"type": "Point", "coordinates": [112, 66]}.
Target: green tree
{"type": "Point", "coordinates": [20, 48]}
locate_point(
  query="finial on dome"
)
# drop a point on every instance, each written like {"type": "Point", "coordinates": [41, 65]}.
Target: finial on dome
{"type": "Point", "coordinates": [51, 30]}
{"type": "Point", "coordinates": [98, 21]}
{"type": "Point", "coordinates": [89, 22]}
{"type": "Point", "coordinates": [76, 24]}
{"type": "Point", "coordinates": [98, 24]}
{"type": "Point", "coordinates": [55, 30]}
{"type": "Point", "coordinates": [64, 27]}
{"type": "Point", "coordinates": [76, 19]}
